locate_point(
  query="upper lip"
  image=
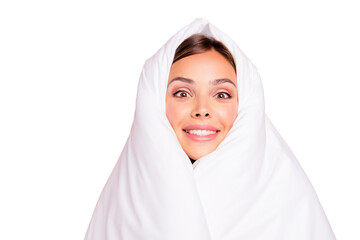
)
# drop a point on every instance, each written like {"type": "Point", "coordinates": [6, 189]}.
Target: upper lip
{"type": "Point", "coordinates": [201, 127]}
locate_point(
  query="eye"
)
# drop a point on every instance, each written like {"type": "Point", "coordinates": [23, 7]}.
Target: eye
{"type": "Point", "coordinates": [181, 94]}
{"type": "Point", "coordinates": [223, 95]}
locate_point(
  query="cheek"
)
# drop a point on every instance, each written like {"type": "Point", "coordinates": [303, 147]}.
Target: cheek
{"type": "Point", "coordinates": [175, 112]}
{"type": "Point", "coordinates": [228, 114]}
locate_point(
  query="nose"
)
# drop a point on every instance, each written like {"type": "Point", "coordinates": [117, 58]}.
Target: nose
{"type": "Point", "coordinates": [201, 110]}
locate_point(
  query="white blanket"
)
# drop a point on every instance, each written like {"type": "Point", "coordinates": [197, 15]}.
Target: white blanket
{"type": "Point", "coordinates": [250, 187]}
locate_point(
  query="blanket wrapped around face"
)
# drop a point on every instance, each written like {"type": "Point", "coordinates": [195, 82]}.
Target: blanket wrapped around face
{"type": "Point", "coordinates": [251, 187]}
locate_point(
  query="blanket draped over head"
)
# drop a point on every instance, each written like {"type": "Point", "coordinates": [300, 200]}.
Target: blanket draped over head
{"type": "Point", "coordinates": [250, 187]}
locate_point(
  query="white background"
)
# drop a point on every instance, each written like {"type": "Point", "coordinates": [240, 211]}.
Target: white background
{"type": "Point", "coordinates": [68, 81]}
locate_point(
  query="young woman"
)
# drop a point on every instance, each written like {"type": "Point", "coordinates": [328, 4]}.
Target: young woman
{"type": "Point", "coordinates": [200, 98]}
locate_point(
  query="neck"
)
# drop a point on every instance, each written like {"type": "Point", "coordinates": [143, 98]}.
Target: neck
{"type": "Point", "coordinates": [192, 160]}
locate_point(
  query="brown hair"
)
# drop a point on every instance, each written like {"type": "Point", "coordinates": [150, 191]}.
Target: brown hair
{"type": "Point", "coordinates": [199, 43]}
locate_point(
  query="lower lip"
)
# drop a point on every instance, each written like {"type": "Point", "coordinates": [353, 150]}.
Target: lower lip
{"type": "Point", "coordinates": [198, 138]}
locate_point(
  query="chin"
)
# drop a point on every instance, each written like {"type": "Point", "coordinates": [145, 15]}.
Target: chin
{"type": "Point", "coordinates": [196, 154]}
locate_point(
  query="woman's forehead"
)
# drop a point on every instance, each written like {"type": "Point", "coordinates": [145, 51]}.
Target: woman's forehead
{"type": "Point", "coordinates": [209, 66]}
{"type": "Point", "coordinates": [214, 82]}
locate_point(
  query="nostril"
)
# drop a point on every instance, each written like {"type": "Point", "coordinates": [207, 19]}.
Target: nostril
{"type": "Point", "coordinates": [206, 115]}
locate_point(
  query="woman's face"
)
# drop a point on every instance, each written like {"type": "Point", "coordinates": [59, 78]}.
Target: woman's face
{"type": "Point", "coordinates": [201, 101]}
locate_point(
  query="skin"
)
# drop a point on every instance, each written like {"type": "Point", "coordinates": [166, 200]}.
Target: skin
{"type": "Point", "coordinates": [197, 100]}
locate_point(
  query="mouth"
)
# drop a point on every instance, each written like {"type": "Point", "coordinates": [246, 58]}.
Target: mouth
{"type": "Point", "coordinates": [200, 133]}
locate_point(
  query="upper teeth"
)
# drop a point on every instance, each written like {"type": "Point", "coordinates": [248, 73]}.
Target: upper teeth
{"type": "Point", "coordinates": [200, 132]}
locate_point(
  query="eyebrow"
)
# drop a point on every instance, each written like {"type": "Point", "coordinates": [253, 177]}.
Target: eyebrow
{"type": "Point", "coordinates": [182, 79]}
{"type": "Point", "coordinates": [213, 82]}
{"type": "Point", "coordinates": [221, 81]}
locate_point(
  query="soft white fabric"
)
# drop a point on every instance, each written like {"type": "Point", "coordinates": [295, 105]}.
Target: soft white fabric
{"type": "Point", "coordinates": [250, 187]}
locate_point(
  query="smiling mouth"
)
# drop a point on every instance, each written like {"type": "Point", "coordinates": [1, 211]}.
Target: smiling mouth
{"type": "Point", "coordinates": [201, 132]}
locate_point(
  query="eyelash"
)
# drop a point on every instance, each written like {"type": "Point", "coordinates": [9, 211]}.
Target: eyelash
{"type": "Point", "coordinates": [229, 96]}
{"type": "Point", "coordinates": [182, 91]}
